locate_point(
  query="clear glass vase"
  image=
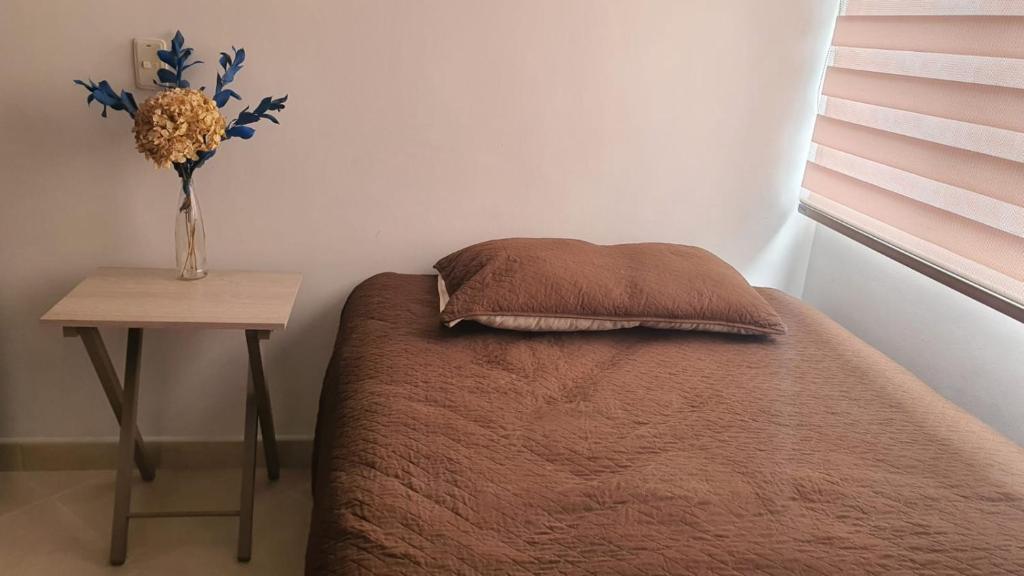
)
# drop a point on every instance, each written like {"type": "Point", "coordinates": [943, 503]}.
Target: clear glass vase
{"type": "Point", "coordinates": [189, 235]}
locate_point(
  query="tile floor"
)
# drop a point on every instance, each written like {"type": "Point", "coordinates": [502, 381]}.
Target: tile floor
{"type": "Point", "coordinates": [58, 523]}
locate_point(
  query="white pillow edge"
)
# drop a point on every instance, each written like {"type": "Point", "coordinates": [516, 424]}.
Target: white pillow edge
{"type": "Point", "coordinates": [442, 295]}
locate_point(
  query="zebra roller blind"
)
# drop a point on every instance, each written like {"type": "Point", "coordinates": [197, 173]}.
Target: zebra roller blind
{"type": "Point", "coordinates": [919, 139]}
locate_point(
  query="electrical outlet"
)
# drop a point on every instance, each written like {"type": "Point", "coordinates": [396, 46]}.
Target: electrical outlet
{"type": "Point", "coordinates": [147, 62]}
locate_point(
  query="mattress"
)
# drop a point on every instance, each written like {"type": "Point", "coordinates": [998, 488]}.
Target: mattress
{"type": "Point", "coordinates": [478, 451]}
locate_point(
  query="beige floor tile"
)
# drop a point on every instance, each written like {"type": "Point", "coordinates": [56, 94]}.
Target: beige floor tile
{"type": "Point", "coordinates": [45, 538]}
{"type": "Point", "coordinates": [20, 489]}
{"type": "Point", "coordinates": [170, 546]}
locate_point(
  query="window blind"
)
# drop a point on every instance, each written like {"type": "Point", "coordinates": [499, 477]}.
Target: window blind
{"type": "Point", "coordinates": [918, 146]}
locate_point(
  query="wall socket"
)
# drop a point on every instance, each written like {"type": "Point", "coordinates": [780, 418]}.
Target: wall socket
{"type": "Point", "coordinates": [147, 62]}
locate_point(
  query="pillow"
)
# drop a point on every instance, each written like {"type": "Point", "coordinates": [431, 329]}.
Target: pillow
{"type": "Point", "coordinates": [555, 285]}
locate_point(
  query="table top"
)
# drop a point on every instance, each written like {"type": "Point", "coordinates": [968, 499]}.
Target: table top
{"type": "Point", "coordinates": [155, 298]}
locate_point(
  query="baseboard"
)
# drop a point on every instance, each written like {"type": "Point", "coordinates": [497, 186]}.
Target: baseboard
{"type": "Point", "coordinates": [101, 454]}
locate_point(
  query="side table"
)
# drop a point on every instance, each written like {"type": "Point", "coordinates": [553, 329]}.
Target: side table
{"type": "Point", "coordinates": [145, 298]}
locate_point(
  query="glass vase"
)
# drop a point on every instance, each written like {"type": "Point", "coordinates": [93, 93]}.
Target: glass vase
{"type": "Point", "coordinates": [189, 235]}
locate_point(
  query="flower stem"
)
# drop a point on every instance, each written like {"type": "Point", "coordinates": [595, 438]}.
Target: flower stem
{"type": "Point", "coordinates": [190, 265]}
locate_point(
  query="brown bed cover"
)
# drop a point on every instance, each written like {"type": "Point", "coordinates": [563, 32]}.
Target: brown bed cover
{"type": "Point", "coordinates": [479, 451]}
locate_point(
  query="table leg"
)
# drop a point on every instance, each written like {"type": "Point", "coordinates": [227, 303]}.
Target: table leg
{"type": "Point", "coordinates": [266, 415]}
{"type": "Point", "coordinates": [97, 351]}
{"type": "Point", "coordinates": [248, 475]}
{"type": "Point", "coordinates": [126, 448]}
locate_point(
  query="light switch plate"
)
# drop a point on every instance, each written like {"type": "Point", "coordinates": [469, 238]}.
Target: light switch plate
{"type": "Point", "coordinates": [146, 61]}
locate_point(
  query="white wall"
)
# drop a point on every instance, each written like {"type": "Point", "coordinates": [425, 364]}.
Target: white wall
{"type": "Point", "coordinates": [412, 129]}
{"type": "Point", "coordinates": [969, 353]}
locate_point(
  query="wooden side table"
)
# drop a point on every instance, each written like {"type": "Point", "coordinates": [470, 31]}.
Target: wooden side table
{"type": "Point", "coordinates": [142, 298]}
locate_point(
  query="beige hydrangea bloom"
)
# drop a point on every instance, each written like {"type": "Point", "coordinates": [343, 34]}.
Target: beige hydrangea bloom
{"type": "Point", "coordinates": [176, 125]}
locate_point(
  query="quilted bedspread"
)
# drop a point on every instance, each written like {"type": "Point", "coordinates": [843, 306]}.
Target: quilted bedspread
{"type": "Point", "coordinates": [478, 451]}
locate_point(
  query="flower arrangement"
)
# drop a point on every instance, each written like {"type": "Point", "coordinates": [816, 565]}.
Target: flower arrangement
{"type": "Point", "coordinates": [178, 125]}
{"type": "Point", "coordinates": [181, 127]}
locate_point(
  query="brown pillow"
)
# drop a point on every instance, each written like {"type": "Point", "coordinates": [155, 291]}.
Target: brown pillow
{"type": "Point", "coordinates": [540, 284]}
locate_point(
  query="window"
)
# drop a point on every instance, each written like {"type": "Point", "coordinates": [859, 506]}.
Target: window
{"type": "Point", "coordinates": [918, 148]}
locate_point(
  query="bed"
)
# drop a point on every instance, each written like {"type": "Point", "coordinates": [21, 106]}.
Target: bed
{"type": "Point", "coordinates": [471, 450]}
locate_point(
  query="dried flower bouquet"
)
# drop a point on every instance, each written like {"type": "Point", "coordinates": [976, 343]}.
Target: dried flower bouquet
{"type": "Point", "coordinates": [181, 127]}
